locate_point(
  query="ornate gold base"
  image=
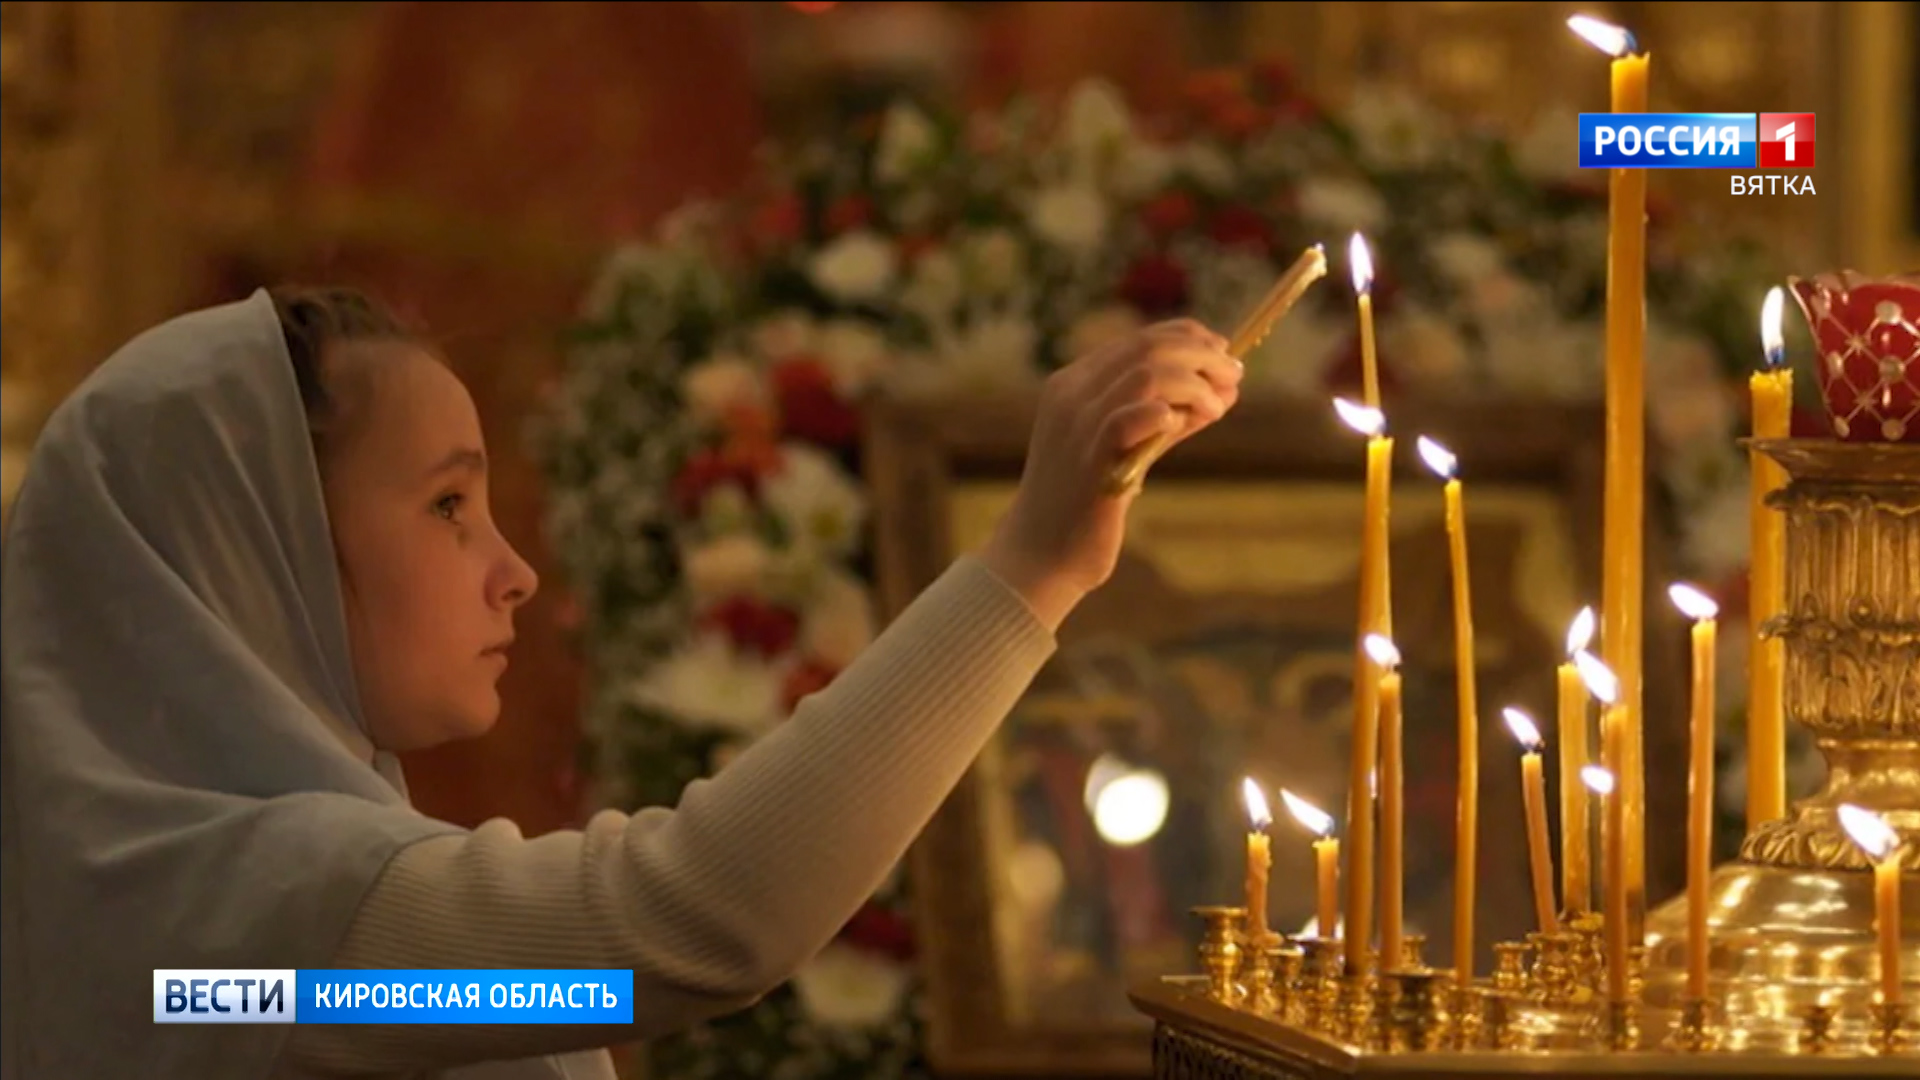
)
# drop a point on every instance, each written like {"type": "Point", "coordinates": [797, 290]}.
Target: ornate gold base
{"type": "Point", "coordinates": [1781, 941]}
{"type": "Point", "coordinates": [1198, 1039]}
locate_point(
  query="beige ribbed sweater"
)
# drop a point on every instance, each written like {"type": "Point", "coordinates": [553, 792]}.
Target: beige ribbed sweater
{"type": "Point", "coordinates": [716, 902]}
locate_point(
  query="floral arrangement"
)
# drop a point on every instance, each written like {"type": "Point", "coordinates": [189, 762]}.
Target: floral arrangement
{"type": "Point", "coordinates": [702, 447]}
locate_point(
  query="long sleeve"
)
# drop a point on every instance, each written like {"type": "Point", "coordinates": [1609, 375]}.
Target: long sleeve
{"type": "Point", "coordinates": [716, 902]}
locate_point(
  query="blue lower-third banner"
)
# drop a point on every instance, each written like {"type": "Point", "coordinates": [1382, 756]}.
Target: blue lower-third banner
{"type": "Point", "coordinates": [271, 996]}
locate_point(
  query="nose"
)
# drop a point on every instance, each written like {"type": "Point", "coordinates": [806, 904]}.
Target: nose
{"type": "Point", "coordinates": [517, 580]}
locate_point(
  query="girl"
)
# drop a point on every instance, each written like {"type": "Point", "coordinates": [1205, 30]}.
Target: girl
{"type": "Point", "coordinates": [252, 559]}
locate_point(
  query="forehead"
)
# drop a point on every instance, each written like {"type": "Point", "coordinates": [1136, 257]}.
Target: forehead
{"type": "Point", "coordinates": [401, 404]}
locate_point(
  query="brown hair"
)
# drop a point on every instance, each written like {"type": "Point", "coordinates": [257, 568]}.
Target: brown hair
{"type": "Point", "coordinates": [315, 318]}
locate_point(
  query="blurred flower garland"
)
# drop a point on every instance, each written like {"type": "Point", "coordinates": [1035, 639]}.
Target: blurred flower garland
{"type": "Point", "coordinates": [701, 448]}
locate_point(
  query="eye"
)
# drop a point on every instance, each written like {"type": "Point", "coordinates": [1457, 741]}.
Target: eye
{"type": "Point", "coordinates": [448, 506]}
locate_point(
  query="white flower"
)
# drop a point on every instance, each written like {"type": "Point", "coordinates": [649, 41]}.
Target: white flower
{"type": "Point", "coordinates": [995, 262]}
{"type": "Point", "coordinates": [818, 503]}
{"type": "Point", "coordinates": [719, 383]}
{"type": "Point", "coordinates": [1207, 165]}
{"type": "Point", "coordinates": [995, 353]}
{"type": "Point", "coordinates": [848, 987]}
{"type": "Point", "coordinates": [1099, 327]}
{"type": "Point", "coordinates": [1295, 356]}
{"type": "Point", "coordinates": [852, 351]}
{"type": "Point", "coordinates": [733, 565]}
{"type": "Point", "coordinates": [934, 286]}
{"type": "Point", "coordinates": [706, 681]}
{"type": "Point", "coordinates": [726, 509]}
{"type": "Point", "coordinates": [839, 623]}
{"type": "Point", "coordinates": [1396, 128]}
{"type": "Point", "coordinates": [907, 141]}
{"type": "Point", "coordinates": [1097, 126]}
{"type": "Point", "coordinates": [1143, 168]}
{"type": "Point", "coordinates": [1550, 149]}
{"type": "Point", "coordinates": [1072, 217]}
{"type": "Point", "coordinates": [1424, 346]}
{"type": "Point", "coordinates": [1342, 205]}
{"type": "Point", "coordinates": [1467, 257]}
{"type": "Point", "coordinates": [857, 266]}
{"type": "Point", "coordinates": [784, 334]}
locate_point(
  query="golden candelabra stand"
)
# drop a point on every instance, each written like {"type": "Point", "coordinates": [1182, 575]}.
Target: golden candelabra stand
{"type": "Point", "coordinates": [1793, 967]}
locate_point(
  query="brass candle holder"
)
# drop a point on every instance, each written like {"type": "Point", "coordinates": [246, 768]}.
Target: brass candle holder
{"type": "Point", "coordinates": [1694, 1033]}
{"type": "Point", "coordinates": [1287, 962]}
{"type": "Point", "coordinates": [1889, 1031]}
{"type": "Point", "coordinates": [1510, 967]}
{"type": "Point", "coordinates": [1256, 980]}
{"type": "Point", "coordinates": [1418, 1019]}
{"type": "Point", "coordinates": [1413, 952]}
{"type": "Point", "coordinates": [1316, 992]}
{"type": "Point", "coordinates": [1623, 1025]}
{"type": "Point", "coordinates": [1496, 1020]}
{"type": "Point", "coordinates": [1816, 1031]}
{"type": "Point", "coordinates": [1220, 950]}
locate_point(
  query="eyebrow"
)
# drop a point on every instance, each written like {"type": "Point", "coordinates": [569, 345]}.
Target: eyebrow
{"type": "Point", "coordinates": [464, 459]}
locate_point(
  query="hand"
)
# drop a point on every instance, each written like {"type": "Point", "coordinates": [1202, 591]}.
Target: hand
{"type": "Point", "coordinates": [1061, 538]}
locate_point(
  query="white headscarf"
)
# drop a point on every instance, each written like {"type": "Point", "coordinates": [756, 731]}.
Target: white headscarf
{"type": "Point", "coordinates": [188, 781]}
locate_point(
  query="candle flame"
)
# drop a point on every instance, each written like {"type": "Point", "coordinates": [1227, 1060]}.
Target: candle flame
{"type": "Point", "coordinates": [1523, 727]}
{"type": "Point", "coordinates": [1383, 651]}
{"type": "Point", "coordinates": [1580, 634]}
{"type": "Point", "coordinates": [1361, 260]}
{"type": "Point", "coordinates": [1601, 682]}
{"type": "Point", "coordinates": [1438, 458]}
{"type": "Point", "coordinates": [1771, 342]}
{"type": "Point", "coordinates": [1257, 812]}
{"type": "Point", "coordinates": [1869, 830]}
{"type": "Point", "coordinates": [1364, 419]}
{"type": "Point", "coordinates": [1615, 41]}
{"type": "Point", "coordinates": [1598, 780]}
{"type": "Point", "coordinates": [1316, 820]}
{"type": "Point", "coordinates": [1693, 603]}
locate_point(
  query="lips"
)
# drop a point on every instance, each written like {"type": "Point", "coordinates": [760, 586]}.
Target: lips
{"type": "Point", "coordinates": [498, 649]}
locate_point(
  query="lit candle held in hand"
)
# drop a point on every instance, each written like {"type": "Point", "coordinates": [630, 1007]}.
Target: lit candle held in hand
{"type": "Point", "coordinates": [1605, 688]}
{"type": "Point", "coordinates": [1699, 607]}
{"type": "Point", "coordinates": [1576, 861]}
{"type": "Point", "coordinates": [1259, 861]}
{"type": "Point", "coordinates": [1393, 817]}
{"type": "Point", "coordinates": [1623, 629]}
{"type": "Point", "coordinates": [1533, 788]}
{"type": "Point", "coordinates": [1375, 618]}
{"type": "Point", "coordinates": [1771, 389]}
{"type": "Point", "coordinates": [1467, 807]}
{"type": "Point", "coordinates": [1326, 858]}
{"type": "Point", "coordinates": [1882, 845]}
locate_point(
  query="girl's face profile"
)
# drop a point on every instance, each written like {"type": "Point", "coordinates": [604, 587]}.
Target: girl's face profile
{"type": "Point", "coordinates": [430, 584]}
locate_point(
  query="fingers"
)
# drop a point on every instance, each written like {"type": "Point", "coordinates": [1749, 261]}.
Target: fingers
{"type": "Point", "coordinates": [1173, 377]}
{"type": "Point", "coordinates": [1131, 425]}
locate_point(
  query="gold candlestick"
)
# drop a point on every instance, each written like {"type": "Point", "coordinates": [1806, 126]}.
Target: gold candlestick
{"type": "Point", "coordinates": [1220, 950]}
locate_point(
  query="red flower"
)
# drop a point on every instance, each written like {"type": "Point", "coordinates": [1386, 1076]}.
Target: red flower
{"type": "Point", "coordinates": [849, 213]}
{"type": "Point", "coordinates": [752, 439]}
{"type": "Point", "coordinates": [809, 678]}
{"type": "Point", "coordinates": [705, 471]}
{"type": "Point", "coordinates": [755, 625]}
{"type": "Point", "coordinates": [1208, 90]}
{"type": "Point", "coordinates": [779, 220]}
{"type": "Point", "coordinates": [1241, 226]}
{"type": "Point", "coordinates": [914, 245]}
{"type": "Point", "coordinates": [1273, 79]}
{"type": "Point", "coordinates": [810, 407]}
{"type": "Point", "coordinates": [1237, 119]}
{"type": "Point", "coordinates": [878, 930]}
{"type": "Point", "coordinates": [1170, 213]}
{"type": "Point", "coordinates": [1156, 285]}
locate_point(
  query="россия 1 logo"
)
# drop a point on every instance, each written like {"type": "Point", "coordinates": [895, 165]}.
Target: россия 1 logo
{"type": "Point", "coordinates": [1705, 141]}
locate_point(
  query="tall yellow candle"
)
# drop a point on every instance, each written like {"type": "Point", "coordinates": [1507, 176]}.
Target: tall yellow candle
{"type": "Point", "coordinates": [1576, 860]}
{"type": "Point", "coordinates": [1605, 688]}
{"type": "Point", "coordinates": [1467, 806]}
{"type": "Point", "coordinates": [1365, 743]}
{"type": "Point", "coordinates": [1361, 262]}
{"type": "Point", "coordinates": [1882, 846]}
{"type": "Point", "coordinates": [1533, 788]}
{"type": "Point", "coordinates": [1393, 864]}
{"type": "Point", "coordinates": [1613, 907]}
{"type": "Point", "coordinates": [1772, 393]}
{"type": "Point", "coordinates": [1699, 607]}
{"type": "Point", "coordinates": [1326, 858]}
{"type": "Point", "coordinates": [1259, 862]}
{"type": "Point", "coordinates": [1623, 539]}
